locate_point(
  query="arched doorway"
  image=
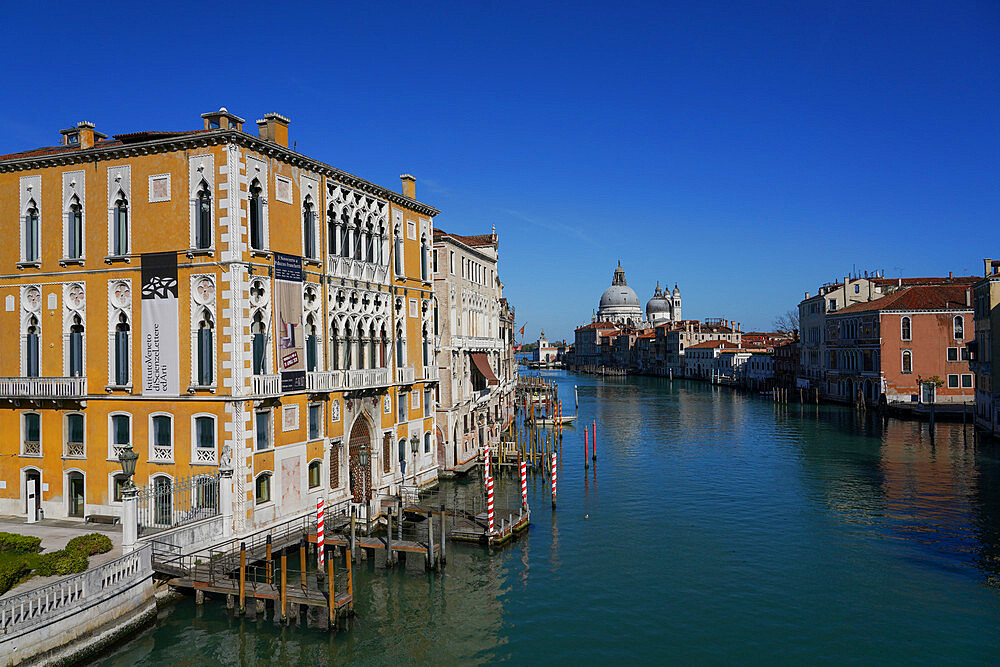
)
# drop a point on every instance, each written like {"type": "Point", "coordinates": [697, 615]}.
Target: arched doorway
{"type": "Point", "coordinates": [361, 479]}
{"type": "Point", "coordinates": [74, 487]}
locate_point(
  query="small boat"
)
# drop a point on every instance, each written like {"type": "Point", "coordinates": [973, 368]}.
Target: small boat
{"type": "Point", "coordinates": [551, 421]}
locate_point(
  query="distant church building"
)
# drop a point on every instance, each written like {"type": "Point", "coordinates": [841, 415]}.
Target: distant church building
{"type": "Point", "coordinates": [620, 305]}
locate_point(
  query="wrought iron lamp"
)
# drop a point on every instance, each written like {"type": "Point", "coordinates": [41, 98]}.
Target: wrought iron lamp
{"type": "Point", "coordinates": [127, 459]}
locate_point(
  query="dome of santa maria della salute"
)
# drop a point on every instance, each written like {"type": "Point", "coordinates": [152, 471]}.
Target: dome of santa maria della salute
{"type": "Point", "coordinates": [620, 304]}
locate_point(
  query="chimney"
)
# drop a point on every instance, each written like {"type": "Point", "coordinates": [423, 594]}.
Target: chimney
{"type": "Point", "coordinates": [968, 297]}
{"type": "Point", "coordinates": [807, 295]}
{"type": "Point", "coordinates": [222, 120]}
{"type": "Point", "coordinates": [274, 127]}
{"type": "Point", "coordinates": [988, 263]}
{"type": "Point", "coordinates": [951, 275]}
{"type": "Point", "coordinates": [409, 185]}
{"type": "Point", "coordinates": [81, 136]}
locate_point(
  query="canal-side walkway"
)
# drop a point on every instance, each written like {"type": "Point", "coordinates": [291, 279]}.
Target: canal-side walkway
{"type": "Point", "coordinates": [55, 534]}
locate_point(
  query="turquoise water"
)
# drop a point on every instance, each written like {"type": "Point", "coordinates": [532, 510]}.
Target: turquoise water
{"type": "Point", "coordinates": [716, 527]}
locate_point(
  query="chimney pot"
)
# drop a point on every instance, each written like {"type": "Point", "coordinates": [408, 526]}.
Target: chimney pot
{"type": "Point", "coordinates": [274, 127]}
{"type": "Point", "coordinates": [988, 264]}
{"type": "Point", "coordinates": [409, 185]}
{"type": "Point", "coordinates": [951, 274]}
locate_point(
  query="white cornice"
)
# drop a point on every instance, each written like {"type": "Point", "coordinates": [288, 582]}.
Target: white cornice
{"type": "Point", "coordinates": [214, 137]}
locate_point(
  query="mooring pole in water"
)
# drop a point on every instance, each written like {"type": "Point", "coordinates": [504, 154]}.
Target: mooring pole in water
{"type": "Point", "coordinates": [350, 580]}
{"type": "Point", "coordinates": [388, 536]}
{"type": "Point", "coordinates": [586, 448]}
{"type": "Point", "coordinates": [284, 586]}
{"type": "Point", "coordinates": [441, 555]}
{"type": "Point", "coordinates": [302, 560]}
{"type": "Point", "coordinates": [595, 440]}
{"type": "Point", "coordinates": [269, 567]}
{"type": "Point", "coordinates": [430, 539]}
{"type": "Point", "coordinates": [553, 480]}
{"type": "Point", "coordinates": [243, 576]}
{"type": "Point", "coordinates": [333, 597]}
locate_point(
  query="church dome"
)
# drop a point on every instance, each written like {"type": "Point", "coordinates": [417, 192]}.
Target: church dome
{"type": "Point", "coordinates": [619, 295]}
{"type": "Point", "coordinates": [658, 305]}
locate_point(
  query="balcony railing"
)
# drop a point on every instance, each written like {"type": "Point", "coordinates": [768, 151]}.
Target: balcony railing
{"type": "Point", "coordinates": [406, 375]}
{"type": "Point", "coordinates": [366, 378]}
{"type": "Point", "coordinates": [43, 387]}
{"type": "Point", "coordinates": [324, 380]}
{"type": "Point", "coordinates": [476, 342]}
{"type": "Point", "coordinates": [265, 385]}
{"type": "Point", "coordinates": [430, 372]}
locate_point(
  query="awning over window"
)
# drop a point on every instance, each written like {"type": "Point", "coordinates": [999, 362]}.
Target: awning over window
{"type": "Point", "coordinates": [483, 364]}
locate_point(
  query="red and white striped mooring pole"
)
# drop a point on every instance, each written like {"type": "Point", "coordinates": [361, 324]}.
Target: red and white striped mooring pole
{"type": "Point", "coordinates": [489, 504]}
{"type": "Point", "coordinates": [524, 483]}
{"type": "Point", "coordinates": [486, 461]}
{"type": "Point", "coordinates": [554, 459]}
{"type": "Point", "coordinates": [320, 539]}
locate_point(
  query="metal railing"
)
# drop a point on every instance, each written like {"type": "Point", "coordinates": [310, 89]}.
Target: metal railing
{"type": "Point", "coordinates": [43, 387]}
{"type": "Point", "coordinates": [168, 504]}
{"type": "Point", "coordinates": [265, 385]}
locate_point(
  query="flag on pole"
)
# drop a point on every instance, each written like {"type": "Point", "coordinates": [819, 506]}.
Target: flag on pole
{"type": "Point", "coordinates": [522, 328]}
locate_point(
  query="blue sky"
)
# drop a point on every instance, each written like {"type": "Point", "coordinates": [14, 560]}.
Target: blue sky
{"type": "Point", "coordinates": [747, 151]}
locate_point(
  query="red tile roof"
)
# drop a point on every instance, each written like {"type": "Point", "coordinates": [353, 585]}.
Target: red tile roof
{"type": "Point", "coordinates": [912, 282]}
{"type": "Point", "coordinates": [920, 297]}
{"type": "Point", "coordinates": [474, 241]}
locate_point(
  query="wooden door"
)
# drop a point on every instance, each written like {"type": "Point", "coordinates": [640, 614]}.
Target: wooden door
{"type": "Point", "coordinates": [361, 480]}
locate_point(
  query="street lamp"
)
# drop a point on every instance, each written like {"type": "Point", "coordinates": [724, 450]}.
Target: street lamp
{"type": "Point", "coordinates": [127, 459]}
{"type": "Point", "coordinates": [414, 444]}
{"type": "Point", "coordinates": [363, 460]}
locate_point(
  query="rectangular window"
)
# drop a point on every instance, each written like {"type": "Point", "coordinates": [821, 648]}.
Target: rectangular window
{"type": "Point", "coordinates": [435, 261]}
{"type": "Point", "coordinates": [967, 380]}
{"type": "Point", "coordinates": [258, 353]}
{"type": "Point", "coordinates": [74, 436]}
{"type": "Point", "coordinates": [76, 354]}
{"type": "Point", "coordinates": [952, 354]}
{"type": "Point", "coordinates": [121, 435]}
{"type": "Point", "coordinates": [263, 429]}
{"type": "Point", "coordinates": [952, 381]}
{"type": "Point", "coordinates": [31, 356]}
{"type": "Point", "coordinates": [204, 428]}
{"type": "Point", "coordinates": [121, 358]}
{"type": "Point", "coordinates": [451, 262]}
{"type": "Point", "coordinates": [427, 403]}
{"type": "Point", "coordinates": [162, 437]}
{"type": "Point", "coordinates": [411, 230]}
{"type": "Point", "coordinates": [401, 406]}
{"type": "Point", "coordinates": [31, 243]}
{"type": "Point", "coordinates": [32, 443]}
{"type": "Point", "coordinates": [314, 470]}
{"type": "Point", "coordinates": [833, 304]}
{"type": "Point", "coordinates": [205, 357]}
{"type": "Point", "coordinates": [315, 421]}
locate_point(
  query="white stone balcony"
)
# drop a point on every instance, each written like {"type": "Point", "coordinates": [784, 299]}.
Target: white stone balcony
{"type": "Point", "coordinates": [406, 375]}
{"type": "Point", "coordinates": [265, 385]}
{"type": "Point", "coordinates": [324, 380]}
{"type": "Point", "coordinates": [430, 373]}
{"type": "Point", "coordinates": [356, 269]}
{"type": "Point", "coordinates": [476, 343]}
{"type": "Point", "coordinates": [366, 378]}
{"type": "Point", "coordinates": [43, 387]}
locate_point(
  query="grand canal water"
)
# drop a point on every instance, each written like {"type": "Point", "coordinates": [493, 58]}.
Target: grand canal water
{"type": "Point", "coordinates": [716, 527]}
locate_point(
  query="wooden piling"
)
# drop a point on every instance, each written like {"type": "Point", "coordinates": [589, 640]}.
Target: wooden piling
{"type": "Point", "coordinates": [353, 534]}
{"type": "Point", "coordinates": [388, 536]}
{"type": "Point", "coordinates": [302, 561]}
{"type": "Point", "coordinates": [243, 576]}
{"type": "Point", "coordinates": [430, 539]}
{"type": "Point", "coordinates": [284, 586]}
{"type": "Point", "coordinates": [268, 565]}
{"type": "Point", "coordinates": [350, 580]}
{"type": "Point", "coordinates": [333, 597]}
{"type": "Point", "coordinates": [441, 557]}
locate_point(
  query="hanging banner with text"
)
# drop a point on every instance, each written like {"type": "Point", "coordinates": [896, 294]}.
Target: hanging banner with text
{"type": "Point", "coordinates": [289, 333]}
{"type": "Point", "coordinates": [160, 359]}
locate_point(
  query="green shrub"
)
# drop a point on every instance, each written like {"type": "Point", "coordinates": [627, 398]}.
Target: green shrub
{"type": "Point", "coordinates": [93, 543]}
{"type": "Point", "coordinates": [19, 543]}
{"type": "Point", "coordinates": [61, 562]}
{"type": "Point", "coordinates": [11, 572]}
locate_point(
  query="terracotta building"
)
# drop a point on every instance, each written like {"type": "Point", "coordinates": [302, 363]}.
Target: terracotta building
{"type": "Point", "coordinates": [906, 347]}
